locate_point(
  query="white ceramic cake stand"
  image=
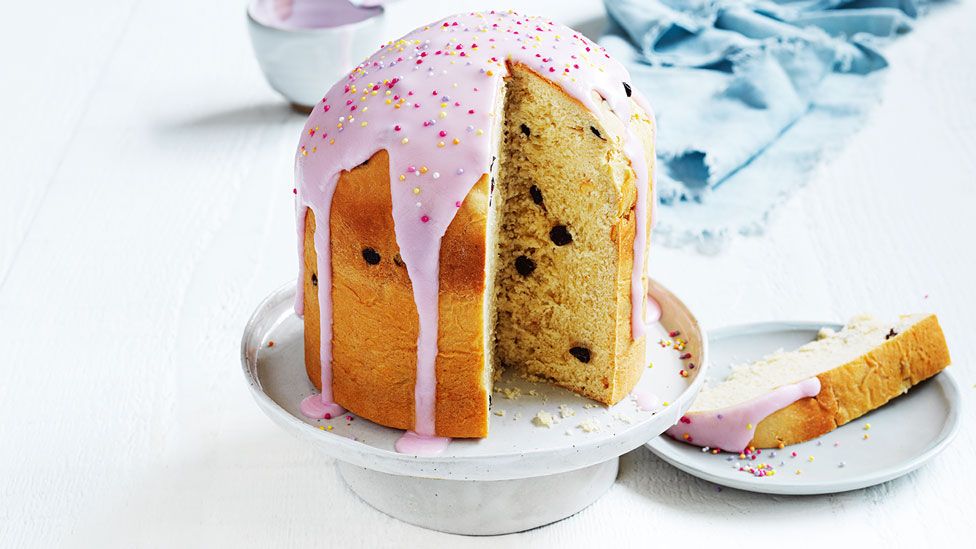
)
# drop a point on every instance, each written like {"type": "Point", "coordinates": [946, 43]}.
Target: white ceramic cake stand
{"type": "Point", "coordinates": [524, 474]}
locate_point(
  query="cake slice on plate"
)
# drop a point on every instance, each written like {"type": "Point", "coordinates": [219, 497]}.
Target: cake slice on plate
{"type": "Point", "coordinates": [790, 397]}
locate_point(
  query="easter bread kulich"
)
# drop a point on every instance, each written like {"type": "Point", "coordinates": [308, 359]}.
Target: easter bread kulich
{"type": "Point", "coordinates": [790, 397]}
{"type": "Point", "coordinates": [475, 195]}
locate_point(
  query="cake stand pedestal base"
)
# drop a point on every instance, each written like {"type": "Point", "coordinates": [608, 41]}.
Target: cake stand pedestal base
{"type": "Point", "coordinates": [478, 507]}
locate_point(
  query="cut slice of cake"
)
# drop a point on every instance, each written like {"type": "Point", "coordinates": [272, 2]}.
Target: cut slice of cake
{"type": "Point", "coordinates": [791, 397]}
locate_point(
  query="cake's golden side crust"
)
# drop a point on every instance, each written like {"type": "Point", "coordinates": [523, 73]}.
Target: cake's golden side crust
{"type": "Point", "coordinates": [849, 391]}
{"type": "Point", "coordinates": [375, 320]}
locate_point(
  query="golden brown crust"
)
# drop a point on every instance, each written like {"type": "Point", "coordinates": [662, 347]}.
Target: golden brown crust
{"type": "Point", "coordinates": [849, 391]}
{"type": "Point", "coordinates": [375, 321]}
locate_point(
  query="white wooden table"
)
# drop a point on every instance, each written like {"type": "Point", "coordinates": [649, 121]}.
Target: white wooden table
{"type": "Point", "coordinates": [146, 208]}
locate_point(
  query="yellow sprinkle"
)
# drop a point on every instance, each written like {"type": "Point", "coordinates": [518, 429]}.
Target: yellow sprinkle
{"type": "Point", "coordinates": [443, 105]}
{"type": "Point", "coordinates": [423, 169]}
{"type": "Point", "coordinates": [365, 109]}
{"type": "Point", "coordinates": [748, 426]}
{"type": "Point", "coordinates": [329, 427]}
{"type": "Point", "coordinates": [305, 153]}
{"type": "Point", "coordinates": [651, 365]}
{"type": "Point", "coordinates": [867, 426]}
{"type": "Point", "coordinates": [397, 106]}
{"type": "Point", "coordinates": [404, 141]}
{"type": "Point", "coordinates": [811, 458]}
{"type": "Point", "coordinates": [780, 445]}
{"type": "Point", "coordinates": [332, 142]}
{"type": "Point", "coordinates": [320, 427]}
{"type": "Point", "coordinates": [865, 437]}
{"type": "Point", "coordinates": [454, 85]}
{"type": "Point", "coordinates": [667, 404]}
{"type": "Point", "coordinates": [363, 98]}
{"type": "Point", "coordinates": [479, 132]}
{"type": "Point", "coordinates": [798, 471]}
{"type": "Point", "coordinates": [388, 101]}
{"type": "Point", "coordinates": [443, 114]}
{"type": "Point", "coordinates": [489, 73]}
{"type": "Point", "coordinates": [416, 190]}
{"type": "Point", "coordinates": [363, 124]}
{"type": "Point", "coordinates": [388, 92]}
{"type": "Point", "coordinates": [403, 177]}
{"type": "Point", "coordinates": [440, 143]}
{"type": "Point", "coordinates": [314, 149]}
{"type": "Point", "coordinates": [456, 140]}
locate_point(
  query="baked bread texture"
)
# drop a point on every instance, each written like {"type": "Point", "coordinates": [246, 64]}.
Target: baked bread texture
{"type": "Point", "coordinates": [535, 266]}
{"type": "Point", "coordinates": [791, 397]}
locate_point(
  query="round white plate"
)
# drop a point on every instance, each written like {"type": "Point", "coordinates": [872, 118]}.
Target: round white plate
{"type": "Point", "coordinates": [903, 434]}
{"type": "Point", "coordinates": [516, 447]}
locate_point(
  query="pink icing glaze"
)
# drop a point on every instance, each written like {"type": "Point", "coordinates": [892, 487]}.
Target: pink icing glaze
{"type": "Point", "coordinates": [315, 407]}
{"type": "Point", "coordinates": [427, 100]}
{"type": "Point", "coordinates": [652, 311]}
{"type": "Point", "coordinates": [647, 400]}
{"type": "Point", "coordinates": [421, 445]}
{"type": "Point", "coordinates": [732, 428]}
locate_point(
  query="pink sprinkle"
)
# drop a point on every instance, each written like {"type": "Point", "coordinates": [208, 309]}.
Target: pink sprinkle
{"type": "Point", "coordinates": [434, 92]}
{"type": "Point", "coordinates": [397, 128]}
{"type": "Point", "coordinates": [326, 108]}
{"type": "Point", "coordinates": [328, 415]}
{"type": "Point", "coordinates": [349, 102]}
{"type": "Point", "coordinates": [411, 169]}
{"type": "Point", "coordinates": [425, 219]}
{"type": "Point", "coordinates": [471, 111]}
{"type": "Point", "coordinates": [552, 69]}
{"type": "Point", "coordinates": [416, 105]}
{"type": "Point", "coordinates": [443, 133]}
{"type": "Point", "coordinates": [295, 191]}
{"type": "Point", "coordinates": [794, 454]}
{"type": "Point", "coordinates": [457, 103]}
{"type": "Point", "coordinates": [349, 418]}
{"type": "Point", "coordinates": [456, 204]}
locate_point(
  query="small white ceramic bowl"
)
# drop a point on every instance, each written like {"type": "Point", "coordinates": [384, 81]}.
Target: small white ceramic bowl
{"type": "Point", "coordinates": [303, 47]}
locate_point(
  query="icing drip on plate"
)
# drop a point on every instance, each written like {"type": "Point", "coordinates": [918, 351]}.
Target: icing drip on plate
{"type": "Point", "coordinates": [427, 100]}
{"type": "Point", "coordinates": [732, 428]}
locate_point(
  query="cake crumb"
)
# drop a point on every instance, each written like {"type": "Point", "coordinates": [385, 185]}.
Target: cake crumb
{"type": "Point", "coordinates": [533, 392]}
{"type": "Point", "coordinates": [496, 375]}
{"type": "Point", "coordinates": [512, 394]}
{"type": "Point", "coordinates": [565, 411]}
{"type": "Point", "coordinates": [500, 413]}
{"type": "Point", "coordinates": [544, 419]}
{"type": "Point", "coordinates": [589, 425]}
{"type": "Point", "coordinates": [591, 405]}
{"type": "Point", "coordinates": [518, 416]}
{"type": "Point", "coordinates": [625, 418]}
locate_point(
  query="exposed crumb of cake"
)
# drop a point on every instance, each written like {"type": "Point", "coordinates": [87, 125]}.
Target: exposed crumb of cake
{"type": "Point", "coordinates": [511, 394]}
{"type": "Point", "coordinates": [500, 413]}
{"type": "Point", "coordinates": [589, 425]}
{"type": "Point", "coordinates": [544, 419]}
{"type": "Point", "coordinates": [518, 416]}
{"type": "Point", "coordinates": [565, 411]}
{"type": "Point", "coordinates": [533, 392]}
{"type": "Point", "coordinates": [496, 375]}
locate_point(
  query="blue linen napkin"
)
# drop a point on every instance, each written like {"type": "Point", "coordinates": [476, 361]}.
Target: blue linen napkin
{"type": "Point", "coordinates": [749, 96]}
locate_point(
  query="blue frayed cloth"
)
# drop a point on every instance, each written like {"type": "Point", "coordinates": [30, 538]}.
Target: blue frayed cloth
{"type": "Point", "coordinates": [749, 95]}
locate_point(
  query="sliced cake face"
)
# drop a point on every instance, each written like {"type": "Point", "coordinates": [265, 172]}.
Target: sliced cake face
{"type": "Point", "coordinates": [831, 350]}
{"type": "Point", "coordinates": [790, 397]}
{"type": "Point", "coordinates": [566, 199]}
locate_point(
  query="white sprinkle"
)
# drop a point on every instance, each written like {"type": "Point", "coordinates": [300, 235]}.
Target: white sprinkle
{"type": "Point", "coordinates": [460, 171]}
{"type": "Point", "coordinates": [436, 175]}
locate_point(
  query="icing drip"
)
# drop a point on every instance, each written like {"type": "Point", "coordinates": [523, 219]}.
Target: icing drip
{"type": "Point", "coordinates": [652, 311]}
{"type": "Point", "coordinates": [421, 445]}
{"type": "Point", "coordinates": [427, 100]}
{"type": "Point", "coordinates": [316, 407]}
{"type": "Point", "coordinates": [647, 400]}
{"type": "Point", "coordinates": [732, 428]}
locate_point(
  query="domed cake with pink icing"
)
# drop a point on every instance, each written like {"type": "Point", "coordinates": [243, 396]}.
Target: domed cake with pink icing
{"type": "Point", "coordinates": [474, 195]}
